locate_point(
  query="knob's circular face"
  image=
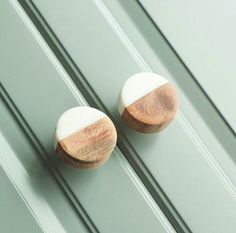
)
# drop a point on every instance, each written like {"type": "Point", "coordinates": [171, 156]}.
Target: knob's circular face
{"type": "Point", "coordinates": [85, 137]}
{"type": "Point", "coordinates": [147, 102]}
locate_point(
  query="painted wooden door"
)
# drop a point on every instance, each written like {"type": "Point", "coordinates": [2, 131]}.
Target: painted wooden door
{"type": "Point", "coordinates": [58, 54]}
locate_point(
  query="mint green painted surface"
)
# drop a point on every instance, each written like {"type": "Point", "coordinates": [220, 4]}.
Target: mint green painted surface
{"type": "Point", "coordinates": [194, 159]}
{"type": "Point", "coordinates": [203, 34]}
{"type": "Point", "coordinates": [37, 90]}
{"type": "Point", "coordinates": [14, 215]}
{"type": "Point", "coordinates": [41, 197]}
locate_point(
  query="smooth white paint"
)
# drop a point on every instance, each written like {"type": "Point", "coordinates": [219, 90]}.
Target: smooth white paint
{"type": "Point", "coordinates": [75, 119]}
{"type": "Point", "coordinates": [137, 86]}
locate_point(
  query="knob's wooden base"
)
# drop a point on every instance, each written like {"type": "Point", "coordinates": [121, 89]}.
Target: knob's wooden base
{"type": "Point", "coordinates": [85, 145]}
{"type": "Point", "coordinates": [153, 108]}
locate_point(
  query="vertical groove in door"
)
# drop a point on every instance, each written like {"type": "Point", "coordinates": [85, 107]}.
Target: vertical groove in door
{"type": "Point", "coordinates": [80, 81]}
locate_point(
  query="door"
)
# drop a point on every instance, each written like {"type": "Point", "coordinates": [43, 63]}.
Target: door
{"type": "Point", "coordinates": [59, 54]}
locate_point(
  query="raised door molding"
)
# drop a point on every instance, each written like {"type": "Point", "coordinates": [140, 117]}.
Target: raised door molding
{"type": "Point", "coordinates": [37, 90]}
{"type": "Point", "coordinates": [188, 168]}
{"type": "Point", "coordinates": [36, 190]}
{"type": "Point", "coordinates": [13, 212]}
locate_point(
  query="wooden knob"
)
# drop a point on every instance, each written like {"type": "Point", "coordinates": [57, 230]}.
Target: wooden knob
{"type": "Point", "coordinates": [85, 137]}
{"type": "Point", "coordinates": [147, 102]}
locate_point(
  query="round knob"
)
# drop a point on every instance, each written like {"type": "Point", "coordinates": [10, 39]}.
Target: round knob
{"type": "Point", "coordinates": [147, 102]}
{"type": "Point", "coordinates": [85, 137]}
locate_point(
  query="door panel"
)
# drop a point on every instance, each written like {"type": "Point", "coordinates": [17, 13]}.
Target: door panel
{"type": "Point", "coordinates": [109, 198]}
{"type": "Point", "coordinates": [203, 34]}
{"type": "Point", "coordinates": [13, 212]}
{"type": "Point", "coordinates": [35, 192]}
{"type": "Point", "coordinates": [192, 162]}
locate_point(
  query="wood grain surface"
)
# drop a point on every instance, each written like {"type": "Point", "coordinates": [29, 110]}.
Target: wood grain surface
{"type": "Point", "coordinates": [91, 146]}
{"type": "Point", "coordinates": [154, 111]}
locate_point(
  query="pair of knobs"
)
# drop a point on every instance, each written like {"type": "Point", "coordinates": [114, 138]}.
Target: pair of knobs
{"type": "Point", "coordinates": [85, 137]}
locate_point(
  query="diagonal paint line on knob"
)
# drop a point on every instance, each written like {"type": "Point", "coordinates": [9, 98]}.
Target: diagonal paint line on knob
{"type": "Point", "coordinates": [85, 137]}
{"type": "Point", "coordinates": [148, 102]}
